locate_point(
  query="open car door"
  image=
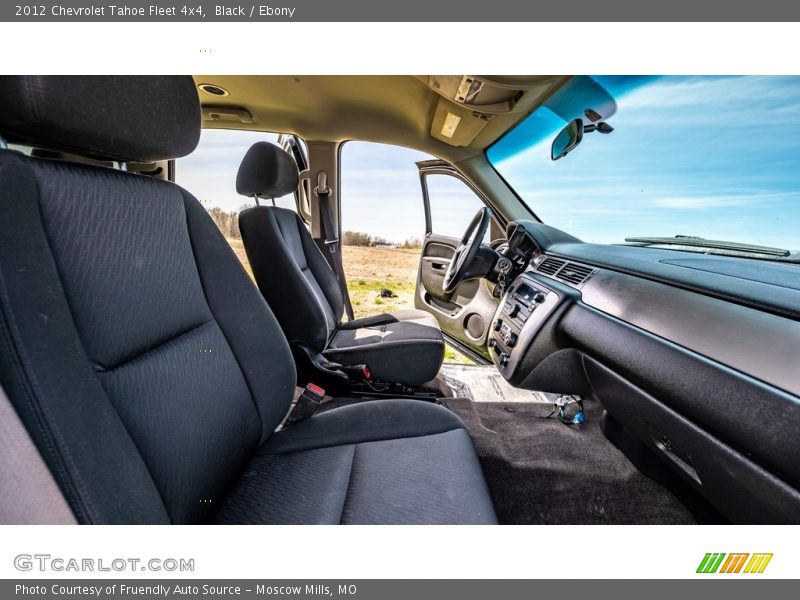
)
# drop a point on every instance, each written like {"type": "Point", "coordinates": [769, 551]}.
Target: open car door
{"type": "Point", "coordinates": [464, 315]}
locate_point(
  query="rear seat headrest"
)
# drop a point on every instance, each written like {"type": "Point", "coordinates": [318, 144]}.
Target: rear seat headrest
{"type": "Point", "coordinates": [121, 118]}
{"type": "Point", "coordinates": [267, 171]}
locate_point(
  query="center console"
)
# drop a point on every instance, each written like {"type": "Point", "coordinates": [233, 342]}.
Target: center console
{"type": "Point", "coordinates": [523, 311]}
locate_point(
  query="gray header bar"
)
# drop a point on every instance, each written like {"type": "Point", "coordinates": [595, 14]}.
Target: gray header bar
{"type": "Point", "coordinates": [372, 589]}
{"type": "Point", "coordinates": [398, 11]}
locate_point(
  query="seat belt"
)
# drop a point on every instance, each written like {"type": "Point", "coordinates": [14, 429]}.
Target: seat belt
{"type": "Point", "coordinates": [330, 241]}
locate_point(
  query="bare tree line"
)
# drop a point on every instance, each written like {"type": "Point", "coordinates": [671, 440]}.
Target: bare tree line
{"type": "Point", "coordinates": [359, 238]}
{"type": "Point", "coordinates": [228, 224]}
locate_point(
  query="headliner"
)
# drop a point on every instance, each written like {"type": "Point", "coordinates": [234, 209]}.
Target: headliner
{"type": "Point", "coordinates": [403, 110]}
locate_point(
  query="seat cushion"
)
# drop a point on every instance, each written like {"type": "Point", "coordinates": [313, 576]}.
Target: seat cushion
{"type": "Point", "coordinates": [402, 347]}
{"type": "Point", "coordinates": [385, 461]}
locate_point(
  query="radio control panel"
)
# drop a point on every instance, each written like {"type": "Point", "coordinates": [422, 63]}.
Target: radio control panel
{"type": "Point", "coordinates": [524, 307]}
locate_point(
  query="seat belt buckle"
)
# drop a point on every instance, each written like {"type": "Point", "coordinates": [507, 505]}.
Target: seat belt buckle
{"type": "Point", "coordinates": [332, 245]}
{"type": "Point", "coordinates": [356, 372]}
{"type": "Point", "coordinates": [307, 404]}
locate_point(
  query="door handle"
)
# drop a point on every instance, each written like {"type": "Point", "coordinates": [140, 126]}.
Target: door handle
{"type": "Point", "coordinates": [437, 264]}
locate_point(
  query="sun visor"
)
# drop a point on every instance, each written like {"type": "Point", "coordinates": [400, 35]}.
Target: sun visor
{"type": "Point", "coordinates": [468, 103]}
{"type": "Point", "coordinates": [456, 125]}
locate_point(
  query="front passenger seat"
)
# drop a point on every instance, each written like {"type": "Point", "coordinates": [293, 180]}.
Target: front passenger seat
{"type": "Point", "coordinates": [303, 291]}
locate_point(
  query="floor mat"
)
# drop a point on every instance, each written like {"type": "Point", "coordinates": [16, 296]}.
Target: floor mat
{"type": "Point", "coordinates": [541, 471]}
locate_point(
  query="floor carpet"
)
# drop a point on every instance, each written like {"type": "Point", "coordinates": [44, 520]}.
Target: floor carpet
{"type": "Point", "coordinates": [541, 471]}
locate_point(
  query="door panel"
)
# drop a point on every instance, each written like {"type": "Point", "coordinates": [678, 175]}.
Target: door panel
{"type": "Point", "coordinates": [436, 256]}
{"type": "Point", "coordinates": [466, 314]}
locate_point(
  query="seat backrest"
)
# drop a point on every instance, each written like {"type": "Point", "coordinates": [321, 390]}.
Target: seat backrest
{"type": "Point", "coordinates": [133, 346]}
{"type": "Point", "coordinates": [292, 274]}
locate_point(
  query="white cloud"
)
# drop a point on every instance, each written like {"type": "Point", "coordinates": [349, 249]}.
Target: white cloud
{"type": "Point", "coordinates": [706, 202]}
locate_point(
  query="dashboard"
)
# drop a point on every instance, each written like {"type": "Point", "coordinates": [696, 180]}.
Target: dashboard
{"type": "Point", "coordinates": [696, 356]}
{"type": "Point", "coordinates": [757, 342]}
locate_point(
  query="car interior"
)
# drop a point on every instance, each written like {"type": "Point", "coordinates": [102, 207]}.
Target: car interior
{"type": "Point", "coordinates": [147, 378]}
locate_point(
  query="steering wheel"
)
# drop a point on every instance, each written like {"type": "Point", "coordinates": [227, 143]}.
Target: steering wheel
{"type": "Point", "coordinates": [467, 250]}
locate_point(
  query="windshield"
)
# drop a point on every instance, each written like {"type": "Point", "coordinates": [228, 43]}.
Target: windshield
{"type": "Point", "coordinates": [711, 157]}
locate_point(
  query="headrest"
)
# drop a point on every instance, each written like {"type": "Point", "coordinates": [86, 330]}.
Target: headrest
{"type": "Point", "coordinates": [267, 171]}
{"type": "Point", "coordinates": [122, 118]}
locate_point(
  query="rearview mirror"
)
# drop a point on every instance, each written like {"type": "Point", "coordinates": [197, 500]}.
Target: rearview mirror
{"type": "Point", "coordinates": [567, 139]}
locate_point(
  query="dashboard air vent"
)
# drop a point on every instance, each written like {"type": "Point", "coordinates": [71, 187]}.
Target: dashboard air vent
{"type": "Point", "coordinates": [550, 266]}
{"type": "Point", "coordinates": [574, 274]}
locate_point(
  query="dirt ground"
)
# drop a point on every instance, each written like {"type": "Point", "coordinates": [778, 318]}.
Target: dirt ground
{"type": "Point", "coordinates": [370, 270]}
{"type": "Point", "coordinates": [396, 264]}
{"type": "Point", "coordinates": [238, 248]}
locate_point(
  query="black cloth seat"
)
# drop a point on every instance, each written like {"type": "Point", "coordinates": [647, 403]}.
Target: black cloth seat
{"type": "Point", "coordinates": [405, 341]}
{"type": "Point", "coordinates": [383, 462]}
{"type": "Point", "coordinates": [302, 289]}
{"type": "Point", "coordinates": [148, 370]}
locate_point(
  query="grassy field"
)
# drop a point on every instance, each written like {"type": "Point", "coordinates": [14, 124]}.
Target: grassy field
{"type": "Point", "coordinates": [368, 271]}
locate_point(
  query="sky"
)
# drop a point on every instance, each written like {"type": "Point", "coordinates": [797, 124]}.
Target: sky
{"type": "Point", "coordinates": [381, 190]}
{"type": "Point", "coordinates": [210, 171]}
{"type": "Point", "coordinates": [717, 157]}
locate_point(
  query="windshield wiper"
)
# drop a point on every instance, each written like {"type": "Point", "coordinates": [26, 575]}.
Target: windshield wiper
{"type": "Point", "coordinates": [698, 242]}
